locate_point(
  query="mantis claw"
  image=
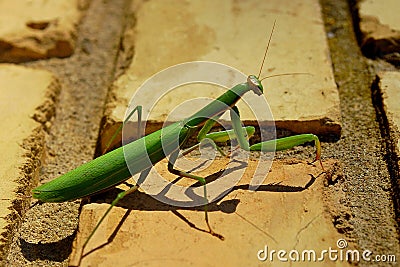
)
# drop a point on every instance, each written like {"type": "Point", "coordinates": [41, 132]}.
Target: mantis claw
{"type": "Point", "coordinates": [219, 236]}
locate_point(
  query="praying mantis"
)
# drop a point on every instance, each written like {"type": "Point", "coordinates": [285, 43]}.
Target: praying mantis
{"type": "Point", "coordinates": [111, 168]}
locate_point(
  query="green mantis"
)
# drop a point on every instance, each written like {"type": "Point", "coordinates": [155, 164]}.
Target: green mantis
{"type": "Point", "coordinates": [111, 169]}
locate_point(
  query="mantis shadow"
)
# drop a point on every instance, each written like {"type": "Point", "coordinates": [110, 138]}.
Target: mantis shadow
{"type": "Point", "coordinates": [142, 202]}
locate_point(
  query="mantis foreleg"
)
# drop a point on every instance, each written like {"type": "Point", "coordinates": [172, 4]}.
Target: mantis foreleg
{"type": "Point", "coordinates": [113, 203]}
{"type": "Point", "coordinates": [221, 137]}
{"type": "Point", "coordinates": [237, 127]}
{"type": "Point", "coordinates": [133, 188]}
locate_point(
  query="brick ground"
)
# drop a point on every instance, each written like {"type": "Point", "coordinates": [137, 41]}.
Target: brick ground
{"type": "Point", "coordinates": [38, 29]}
{"type": "Point", "coordinates": [380, 28]}
{"type": "Point", "coordinates": [311, 102]}
{"type": "Point", "coordinates": [356, 206]}
{"type": "Point", "coordinates": [292, 217]}
{"type": "Point", "coordinates": [386, 92]}
{"type": "Point", "coordinates": [23, 121]}
{"type": "Point", "coordinates": [389, 88]}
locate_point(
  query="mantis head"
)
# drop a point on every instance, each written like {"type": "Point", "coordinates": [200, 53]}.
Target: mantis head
{"type": "Point", "coordinates": [255, 84]}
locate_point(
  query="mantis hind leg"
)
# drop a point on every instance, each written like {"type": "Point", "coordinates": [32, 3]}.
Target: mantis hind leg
{"type": "Point", "coordinates": [115, 201]}
{"type": "Point", "coordinates": [121, 195]}
{"type": "Point", "coordinates": [289, 142]}
{"type": "Point", "coordinates": [181, 173]}
{"type": "Point", "coordinates": [274, 145]}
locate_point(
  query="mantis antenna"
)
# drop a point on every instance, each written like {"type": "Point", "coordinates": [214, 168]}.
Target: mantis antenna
{"type": "Point", "coordinates": [266, 50]}
{"type": "Point", "coordinates": [283, 74]}
{"type": "Point", "coordinates": [265, 55]}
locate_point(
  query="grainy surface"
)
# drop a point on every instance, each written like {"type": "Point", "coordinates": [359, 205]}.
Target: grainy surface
{"type": "Point", "coordinates": [367, 184]}
{"type": "Point", "coordinates": [46, 235]}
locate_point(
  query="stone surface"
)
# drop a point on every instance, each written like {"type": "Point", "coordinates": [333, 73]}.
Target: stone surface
{"type": "Point", "coordinates": [233, 33]}
{"type": "Point", "coordinates": [27, 102]}
{"type": "Point", "coordinates": [389, 89]}
{"type": "Point", "coordinates": [380, 26]}
{"type": "Point", "coordinates": [39, 29]}
{"type": "Point", "coordinates": [389, 84]}
{"type": "Point", "coordinates": [289, 211]}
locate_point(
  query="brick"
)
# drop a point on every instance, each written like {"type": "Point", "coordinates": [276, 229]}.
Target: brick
{"type": "Point", "coordinates": [40, 29]}
{"type": "Point", "coordinates": [233, 33]}
{"type": "Point", "coordinates": [27, 105]}
{"type": "Point", "coordinates": [380, 26]}
{"type": "Point", "coordinates": [283, 214]}
{"type": "Point", "coordinates": [389, 88]}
